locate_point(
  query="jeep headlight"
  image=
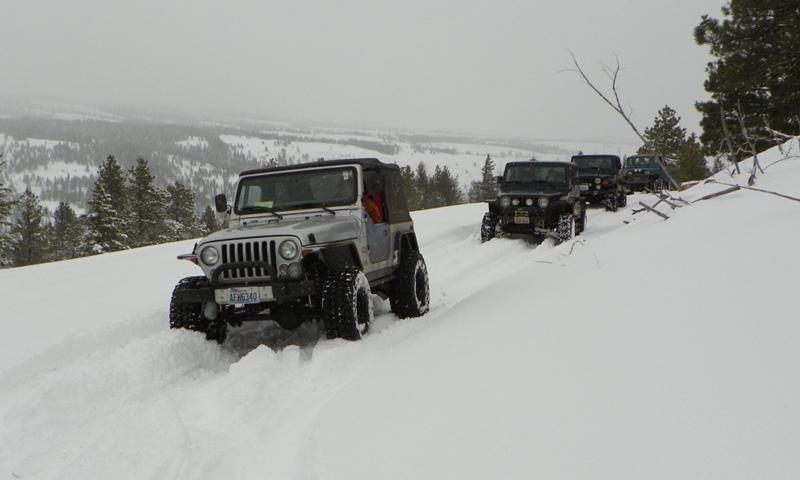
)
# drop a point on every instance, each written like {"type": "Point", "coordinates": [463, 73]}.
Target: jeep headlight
{"type": "Point", "coordinates": [288, 249]}
{"type": "Point", "coordinates": [505, 202]}
{"type": "Point", "coordinates": [543, 202]}
{"type": "Point", "coordinates": [209, 255]}
{"type": "Point", "coordinates": [597, 180]}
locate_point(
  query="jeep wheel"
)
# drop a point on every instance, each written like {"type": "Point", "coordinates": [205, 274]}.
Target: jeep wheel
{"type": "Point", "coordinates": [409, 292]}
{"type": "Point", "coordinates": [190, 315]}
{"type": "Point", "coordinates": [622, 199]}
{"type": "Point", "coordinates": [566, 227]}
{"type": "Point", "coordinates": [346, 304]}
{"type": "Point", "coordinates": [611, 203]}
{"type": "Point", "coordinates": [580, 223]}
{"type": "Point", "coordinates": [488, 227]}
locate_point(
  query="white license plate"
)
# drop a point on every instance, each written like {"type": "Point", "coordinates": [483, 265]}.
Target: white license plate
{"type": "Point", "coordinates": [584, 187]}
{"type": "Point", "coordinates": [524, 220]}
{"type": "Point", "coordinates": [243, 295]}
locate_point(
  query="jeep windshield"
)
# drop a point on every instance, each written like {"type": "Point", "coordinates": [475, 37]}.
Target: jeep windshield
{"type": "Point", "coordinates": [542, 176]}
{"type": "Point", "coordinates": [299, 189]}
{"type": "Point", "coordinates": [594, 165]}
{"type": "Point", "coordinates": [641, 161]}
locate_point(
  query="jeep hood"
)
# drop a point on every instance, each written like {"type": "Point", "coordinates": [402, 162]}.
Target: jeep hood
{"type": "Point", "coordinates": [325, 229]}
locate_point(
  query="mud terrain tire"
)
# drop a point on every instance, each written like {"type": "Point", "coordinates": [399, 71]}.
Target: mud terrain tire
{"type": "Point", "coordinates": [346, 304]}
{"type": "Point", "coordinates": [566, 227]}
{"type": "Point", "coordinates": [409, 292]}
{"type": "Point", "coordinates": [190, 315]}
{"type": "Point", "coordinates": [488, 227]}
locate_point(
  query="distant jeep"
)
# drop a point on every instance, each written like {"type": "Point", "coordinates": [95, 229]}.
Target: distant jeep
{"type": "Point", "coordinates": [302, 247]}
{"type": "Point", "coordinates": [649, 172]}
{"type": "Point", "coordinates": [601, 180]}
{"type": "Point", "coordinates": [541, 199]}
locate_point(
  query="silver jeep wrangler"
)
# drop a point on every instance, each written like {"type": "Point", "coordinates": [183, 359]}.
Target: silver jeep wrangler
{"type": "Point", "coordinates": [302, 247]}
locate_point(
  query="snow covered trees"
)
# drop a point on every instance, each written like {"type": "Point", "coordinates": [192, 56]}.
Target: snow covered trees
{"type": "Point", "coordinates": [755, 78]}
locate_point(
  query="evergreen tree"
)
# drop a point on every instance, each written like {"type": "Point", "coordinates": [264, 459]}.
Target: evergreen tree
{"type": "Point", "coordinates": [410, 188]}
{"type": "Point", "coordinates": [180, 212]}
{"type": "Point", "coordinates": [208, 221]}
{"type": "Point", "coordinates": [67, 234]}
{"type": "Point", "coordinates": [691, 161]}
{"type": "Point", "coordinates": [112, 178]}
{"type": "Point", "coordinates": [6, 205]}
{"type": "Point", "coordinates": [104, 229]}
{"type": "Point", "coordinates": [445, 188]}
{"type": "Point", "coordinates": [30, 240]}
{"type": "Point", "coordinates": [423, 189]}
{"type": "Point", "coordinates": [665, 137]}
{"type": "Point", "coordinates": [487, 187]}
{"type": "Point", "coordinates": [146, 208]}
{"type": "Point", "coordinates": [756, 75]}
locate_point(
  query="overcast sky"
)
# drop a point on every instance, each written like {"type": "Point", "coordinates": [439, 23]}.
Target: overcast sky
{"type": "Point", "coordinates": [495, 67]}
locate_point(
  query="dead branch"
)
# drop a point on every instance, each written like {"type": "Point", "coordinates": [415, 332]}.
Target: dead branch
{"type": "Point", "coordinates": [728, 139]}
{"type": "Point", "coordinates": [612, 74]}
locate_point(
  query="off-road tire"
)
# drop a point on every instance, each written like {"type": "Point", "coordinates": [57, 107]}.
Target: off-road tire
{"type": "Point", "coordinates": [566, 227]}
{"type": "Point", "coordinates": [488, 227]}
{"type": "Point", "coordinates": [611, 203]}
{"type": "Point", "coordinates": [346, 304]}
{"type": "Point", "coordinates": [190, 315]}
{"type": "Point", "coordinates": [622, 199]}
{"type": "Point", "coordinates": [580, 223]}
{"type": "Point", "coordinates": [409, 292]}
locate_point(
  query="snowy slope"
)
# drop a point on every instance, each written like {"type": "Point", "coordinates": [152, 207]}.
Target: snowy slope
{"type": "Point", "coordinates": [645, 348]}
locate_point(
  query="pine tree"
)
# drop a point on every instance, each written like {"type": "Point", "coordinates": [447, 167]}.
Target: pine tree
{"type": "Point", "coordinates": [756, 75]}
{"type": "Point", "coordinates": [6, 205]}
{"type": "Point", "coordinates": [487, 187]}
{"type": "Point", "coordinates": [410, 188]}
{"type": "Point", "coordinates": [445, 188]}
{"type": "Point", "coordinates": [67, 234]}
{"type": "Point", "coordinates": [30, 241]}
{"type": "Point", "coordinates": [180, 212]}
{"type": "Point", "coordinates": [665, 137]}
{"type": "Point", "coordinates": [691, 161]}
{"type": "Point", "coordinates": [422, 184]}
{"type": "Point", "coordinates": [208, 221]}
{"type": "Point", "coordinates": [146, 208]}
{"type": "Point", "coordinates": [104, 229]}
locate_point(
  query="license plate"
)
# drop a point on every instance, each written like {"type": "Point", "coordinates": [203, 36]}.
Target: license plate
{"type": "Point", "coordinates": [243, 295]}
{"type": "Point", "coordinates": [524, 220]}
{"type": "Point", "coordinates": [584, 187]}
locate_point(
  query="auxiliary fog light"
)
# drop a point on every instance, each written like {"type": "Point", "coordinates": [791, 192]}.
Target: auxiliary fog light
{"type": "Point", "coordinates": [515, 202]}
{"type": "Point", "coordinates": [529, 202]}
{"type": "Point", "coordinates": [294, 270]}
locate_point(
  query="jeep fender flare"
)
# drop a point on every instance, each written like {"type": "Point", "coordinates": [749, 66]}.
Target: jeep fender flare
{"type": "Point", "coordinates": [340, 256]}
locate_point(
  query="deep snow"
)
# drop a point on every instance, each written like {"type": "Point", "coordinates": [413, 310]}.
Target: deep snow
{"type": "Point", "coordinates": [645, 348]}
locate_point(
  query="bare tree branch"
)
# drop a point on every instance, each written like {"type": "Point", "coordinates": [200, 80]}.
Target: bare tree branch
{"type": "Point", "coordinates": [612, 74]}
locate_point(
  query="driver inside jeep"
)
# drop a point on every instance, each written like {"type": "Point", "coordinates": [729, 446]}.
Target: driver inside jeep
{"type": "Point", "coordinates": [346, 190]}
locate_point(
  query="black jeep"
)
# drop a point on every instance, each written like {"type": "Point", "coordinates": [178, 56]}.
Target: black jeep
{"type": "Point", "coordinates": [601, 179]}
{"type": "Point", "coordinates": [541, 199]}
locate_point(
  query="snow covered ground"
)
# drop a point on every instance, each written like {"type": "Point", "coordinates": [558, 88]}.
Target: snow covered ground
{"type": "Point", "coordinates": [645, 348]}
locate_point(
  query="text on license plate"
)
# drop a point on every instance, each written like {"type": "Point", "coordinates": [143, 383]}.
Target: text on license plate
{"type": "Point", "coordinates": [584, 187]}
{"type": "Point", "coordinates": [243, 295]}
{"type": "Point", "coordinates": [524, 220]}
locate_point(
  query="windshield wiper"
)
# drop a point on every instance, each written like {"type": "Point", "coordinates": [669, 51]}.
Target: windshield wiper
{"type": "Point", "coordinates": [259, 209]}
{"type": "Point", "coordinates": [314, 205]}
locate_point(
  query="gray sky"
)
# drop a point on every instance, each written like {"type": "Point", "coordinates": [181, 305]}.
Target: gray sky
{"type": "Point", "coordinates": [495, 67]}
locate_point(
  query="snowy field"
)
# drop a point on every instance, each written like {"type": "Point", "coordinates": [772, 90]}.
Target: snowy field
{"type": "Point", "coordinates": [645, 348]}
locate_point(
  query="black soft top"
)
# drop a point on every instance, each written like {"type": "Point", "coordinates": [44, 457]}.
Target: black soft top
{"type": "Point", "coordinates": [364, 162]}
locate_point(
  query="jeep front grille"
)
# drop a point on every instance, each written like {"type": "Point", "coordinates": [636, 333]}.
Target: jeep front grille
{"type": "Point", "coordinates": [254, 251]}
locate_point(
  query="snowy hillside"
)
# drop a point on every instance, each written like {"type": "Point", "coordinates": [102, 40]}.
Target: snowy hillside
{"type": "Point", "coordinates": [645, 348]}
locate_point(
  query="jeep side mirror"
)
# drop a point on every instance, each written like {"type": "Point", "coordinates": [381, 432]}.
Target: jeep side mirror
{"type": "Point", "coordinates": [221, 203]}
{"type": "Point", "coordinates": [498, 179]}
